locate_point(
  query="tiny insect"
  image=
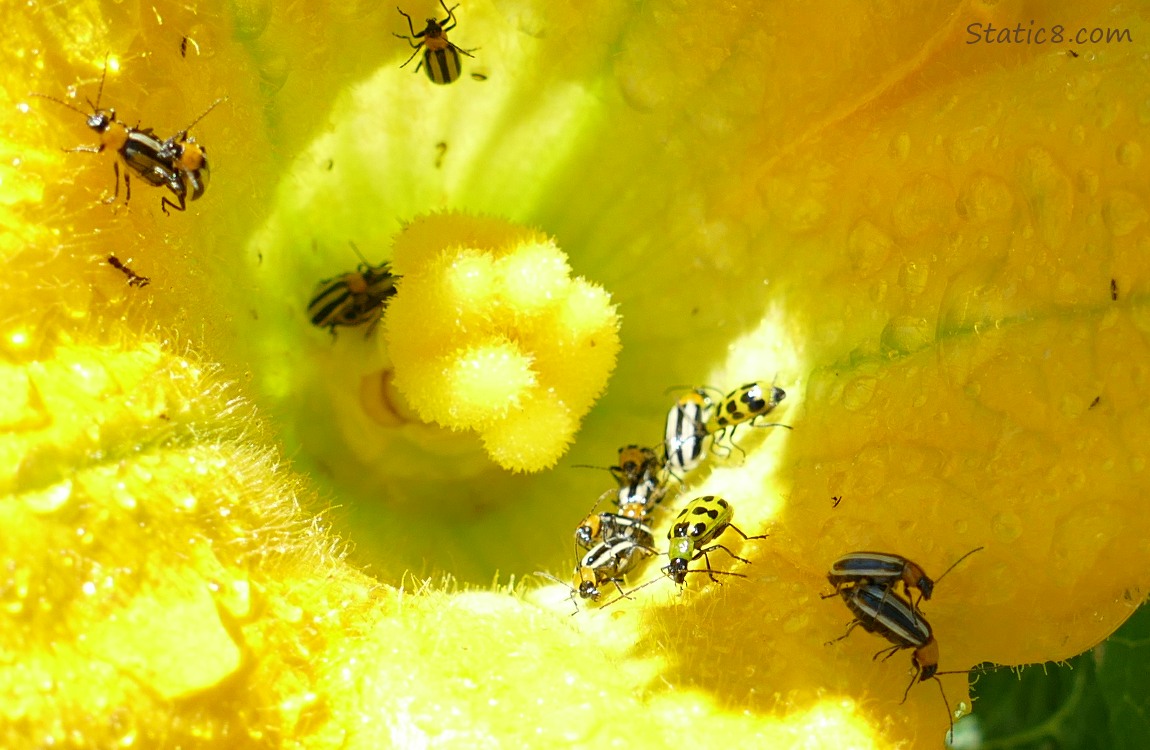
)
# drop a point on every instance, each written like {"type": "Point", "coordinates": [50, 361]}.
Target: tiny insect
{"type": "Point", "coordinates": [744, 405]}
{"type": "Point", "coordinates": [1113, 290]}
{"type": "Point", "coordinates": [1097, 400]}
{"type": "Point", "coordinates": [441, 147]}
{"type": "Point", "coordinates": [353, 299]}
{"type": "Point", "coordinates": [836, 500]}
{"type": "Point", "coordinates": [686, 430]}
{"type": "Point", "coordinates": [440, 57]}
{"type": "Point", "coordinates": [184, 47]}
{"type": "Point", "coordinates": [883, 612]}
{"type": "Point", "coordinates": [885, 569]}
{"type": "Point", "coordinates": [134, 279]}
{"type": "Point", "coordinates": [700, 522]}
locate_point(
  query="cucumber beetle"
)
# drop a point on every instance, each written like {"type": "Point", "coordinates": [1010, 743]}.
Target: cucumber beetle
{"type": "Point", "coordinates": [440, 57]}
{"type": "Point", "coordinates": [700, 522]}
{"type": "Point", "coordinates": [885, 569]}
{"type": "Point", "coordinates": [598, 526]}
{"type": "Point", "coordinates": [883, 612]}
{"type": "Point", "coordinates": [187, 163]}
{"type": "Point", "coordinates": [606, 562]}
{"type": "Point", "coordinates": [140, 150]}
{"type": "Point", "coordinates": [354, 298]}
{"type": "Point", "coordinates": [158, 163]}
{"type": "Point", "coordinates": [638, 477]}
{"type": "Point", "coordinates": [685, 431]}
{"type": "Point", "coordinates": [744, 405]}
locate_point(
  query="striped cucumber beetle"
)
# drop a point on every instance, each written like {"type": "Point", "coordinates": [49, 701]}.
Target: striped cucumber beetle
{"type": "Point", "coordinates": [599, 526]}
{"type": "Point", "coordinates": [158, 163]}
{"type": "Point", "coordinates": [886, 569]}
{"type": "Point", "coordinates": [440, 57]}
{"type": "Point", "coordinates": [638, 475]}
{"type": "Point", "coordinates": [701, 522]}
{"type": "Point", "coordinates": [606, 562]}
{"type": "Point", "coordinates": [352, 299]}
{"type": "Point", "coordinates": [744, 405]}
{"type": "Point", "coordinates": [686, 430]}
{"type": "Point", "coordinates": [883, 612]}
{"type": "Point", "coordinates": [187, 164]}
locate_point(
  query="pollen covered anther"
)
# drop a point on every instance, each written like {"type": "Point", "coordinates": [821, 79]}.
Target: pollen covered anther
{"type": "Point", "coordinates": [489, 332]}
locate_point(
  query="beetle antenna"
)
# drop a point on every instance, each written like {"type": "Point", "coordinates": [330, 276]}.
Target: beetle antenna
{"type": "Point", "coordinates": [61, 101]}
{"type": "Point", "coordinates": [627, 595]}
{"type": "Point", "coordinates": [956, 562]}
{"type": "Point", "coordinates": [212, 106]}
{"type": "Point", "coordinates": [571, 597]}
{"type": "Point", "coordinates": [355, 248]}
{"type": "Point", "coordinates": [100, 91]}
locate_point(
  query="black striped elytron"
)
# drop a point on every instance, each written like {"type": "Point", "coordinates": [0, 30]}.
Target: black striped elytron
{"type": "Point", "coordinates": [352, 299]}
{"type": "Point", "coordinates": [686, 430]}
{"type": "Point", "coordinates": [178, 163]}
{"type": "Point", "coordinates": [885, 569]}
{"type": "Point", "coordinates": [440, 57]}
{"type": "Point", "coordinates": [883, 612]}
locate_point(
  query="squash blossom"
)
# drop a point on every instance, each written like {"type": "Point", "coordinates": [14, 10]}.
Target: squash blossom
{"type": "Point", "coordinates": [224, 527]}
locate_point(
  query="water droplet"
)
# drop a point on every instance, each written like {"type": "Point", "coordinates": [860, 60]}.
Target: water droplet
{"type": "Point", "coordinates": [924, 204]}
{"type": "Point", "coordinates": [1088, 181]}
{"type": "Point", "coordinates": [913, 277]}
{"type": "Point", "coordinates": [900, 146]}
{"type": "Point", "coordinates": [49, 500]}
{"type": "Point", "coordinates": [1123, 212]}
{"type": "Point", "coordinates": [868, 247]}
{"type": "Point", "coordinates": [964, 146]}
{"type": "Point", "coordinates": [1049, 193]}
{"type": "Point", "coordinates": [906, 334]}
{"type": "Point", "coordinates": [983, 198]}
{"type": "Point", "coordinates": [1129, 154]}
{"type": "Point", "coordinates": [1007, 526]}
{"type": "Point", "coordinates": [797, 623]}
{"type": "Point", "coordinates": [859, 392]}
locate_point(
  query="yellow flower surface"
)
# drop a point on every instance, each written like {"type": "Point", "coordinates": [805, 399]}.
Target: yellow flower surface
{"type": "Point", "coordinates": [224, 527]}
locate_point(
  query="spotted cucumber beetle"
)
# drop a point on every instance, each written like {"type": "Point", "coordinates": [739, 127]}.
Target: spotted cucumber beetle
{"type": "Point", "coordinates": [885, 569]}
{"type": "Point", "coordinates": [686, 430]}
{"type": "Point", "coordinates": [744, 405]}
{"type": "Point", "coordinates": [352, 299]}
{"type": "Point", "coordinates": [440, 57]}
{"type": "Point", "coordinates": [159, 163]}
{"type": "Point", "coordinates": [883, 612]}
{"type": "Point", "coordinates": [700, 522]}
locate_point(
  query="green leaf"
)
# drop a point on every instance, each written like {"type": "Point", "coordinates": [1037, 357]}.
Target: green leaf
{"type": "Point", "coordinates": [1100, 699]}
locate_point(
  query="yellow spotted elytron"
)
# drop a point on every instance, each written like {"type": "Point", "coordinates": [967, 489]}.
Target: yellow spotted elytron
{"type": "Point", "coordinates": [702, 521]}
{"type": "Point", "coordinates": [744, 405]}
